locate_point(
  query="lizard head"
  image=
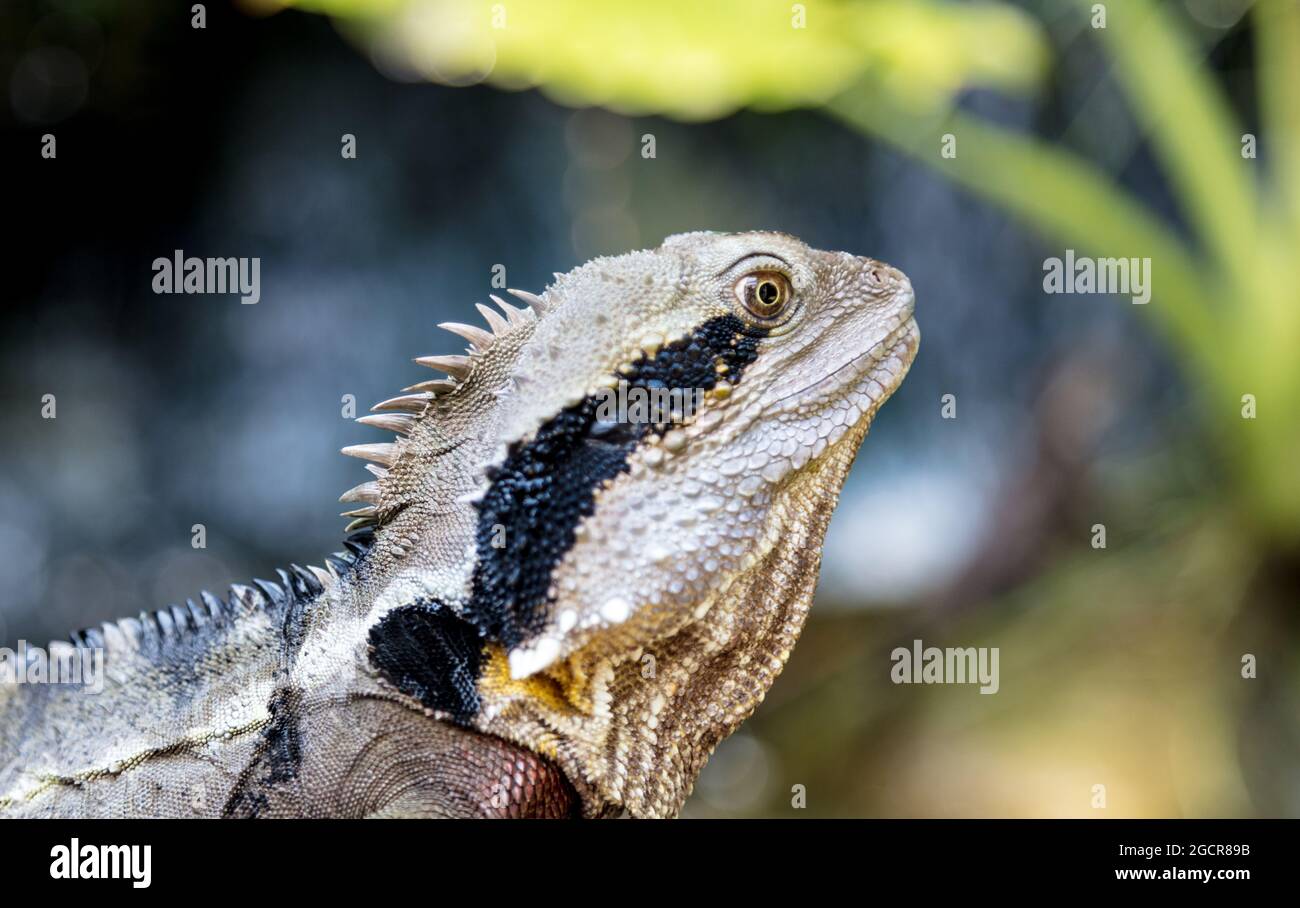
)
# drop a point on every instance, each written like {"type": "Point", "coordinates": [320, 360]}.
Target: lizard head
{"type": "Point", "coordinates": [712, 371]}
{"type": "Point", "coordinates": [647, 483]}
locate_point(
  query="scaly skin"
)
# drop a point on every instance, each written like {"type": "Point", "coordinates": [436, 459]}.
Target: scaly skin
{"type": "Point", "coordinates": [545, 610]}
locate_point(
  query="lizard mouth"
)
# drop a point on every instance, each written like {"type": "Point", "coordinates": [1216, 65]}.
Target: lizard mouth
{"type": "Point", "coordinates": [870, 365]}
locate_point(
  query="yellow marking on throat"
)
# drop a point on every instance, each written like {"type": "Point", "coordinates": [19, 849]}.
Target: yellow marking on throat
{"type": "Point", "coordinates": [554, 688]}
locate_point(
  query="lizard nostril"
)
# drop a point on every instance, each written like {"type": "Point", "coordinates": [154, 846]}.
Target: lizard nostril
{"type": "Point", "coordinates": [884, 275]}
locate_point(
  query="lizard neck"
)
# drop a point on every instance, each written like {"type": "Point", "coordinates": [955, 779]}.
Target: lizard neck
{"type": "Point", "coordinates": [634, 733]}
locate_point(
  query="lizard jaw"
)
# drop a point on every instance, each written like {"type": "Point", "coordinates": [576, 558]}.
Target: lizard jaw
{"type": "Point", "coordinates": [900, 344]}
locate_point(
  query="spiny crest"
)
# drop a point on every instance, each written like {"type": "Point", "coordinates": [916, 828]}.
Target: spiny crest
{"type": "Point", "coordinates": [153, 630]}
{"type": "Point", "coordinates": [401, 414]}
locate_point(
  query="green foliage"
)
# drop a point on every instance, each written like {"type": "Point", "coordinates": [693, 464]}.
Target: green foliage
{"type": "Point", "coordinates": [693, 60]}
{"type": "Point", "coordinates": [1227, 300]}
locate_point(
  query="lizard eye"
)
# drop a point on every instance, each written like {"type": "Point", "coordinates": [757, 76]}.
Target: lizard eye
{"type": "Point", "coordinates": [764, 293]}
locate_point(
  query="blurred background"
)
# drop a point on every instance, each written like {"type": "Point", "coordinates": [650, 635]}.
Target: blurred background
{"type": "Point", "coordinates": [514, 134]}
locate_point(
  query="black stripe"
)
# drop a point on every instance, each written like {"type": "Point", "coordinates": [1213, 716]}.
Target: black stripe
{"type": "Point", "coordinates": [430, 654]}
{"type": "Point", "coordinates": [275, 767]}
{"type": "Point", "coordinates": [547, 485]}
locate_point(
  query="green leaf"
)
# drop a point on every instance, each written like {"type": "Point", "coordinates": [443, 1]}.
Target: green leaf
{"type": "Point", "coordinates": [696, 60]}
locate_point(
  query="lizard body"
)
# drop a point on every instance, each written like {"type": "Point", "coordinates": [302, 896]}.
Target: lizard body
{"type": "Point", "coordinates": [548, 605]}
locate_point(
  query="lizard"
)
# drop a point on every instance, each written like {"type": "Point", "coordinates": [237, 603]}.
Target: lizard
{"type": "Point", "coordinates": [547, 605]}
